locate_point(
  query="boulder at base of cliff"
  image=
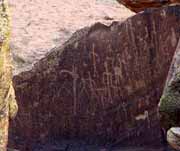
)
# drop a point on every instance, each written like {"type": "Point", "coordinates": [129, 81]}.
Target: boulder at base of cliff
{"type": "Point", "coordinates": [103, 85]}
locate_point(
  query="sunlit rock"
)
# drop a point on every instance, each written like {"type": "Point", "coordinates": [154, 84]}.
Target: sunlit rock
{"type": "Point", "coordinates": [40, 25]}
{"type": "Point", "coordinates": [173, 137]}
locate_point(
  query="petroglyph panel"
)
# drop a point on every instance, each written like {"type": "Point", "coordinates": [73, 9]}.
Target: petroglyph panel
{"type": "Point", "coordinates": [103, 84]}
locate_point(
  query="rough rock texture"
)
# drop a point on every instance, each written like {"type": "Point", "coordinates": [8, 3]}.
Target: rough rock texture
{"type": "Point", "coordinates": [40, 25]}
{"type": "Point", "coordinates": [141, 5]}
{"type": "Point", "coordinates": [169, 106]}
{"type": "Point", "coordinates": [103, 85]}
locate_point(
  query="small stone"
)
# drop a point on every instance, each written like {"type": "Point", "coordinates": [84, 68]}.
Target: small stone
{"type": "Point", "coordinates": [173, 137]}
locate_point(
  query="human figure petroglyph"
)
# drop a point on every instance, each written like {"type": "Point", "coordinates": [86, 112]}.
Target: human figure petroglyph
{"type": "Point", "coordinates": [104, 91]}
{"type": "Point", "coordinates": [108, 81]}
{"type": "Point", "coordinates": [94, 56]}
{"type": "Point", "coordinates": [118, 74]}
{"type": "Point", "coordinates": [74, 76]}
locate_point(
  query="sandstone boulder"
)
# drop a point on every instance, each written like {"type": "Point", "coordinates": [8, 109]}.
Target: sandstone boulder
{"type": "Point", "coordinates": [102, 85]}
{"type": "Point", "coordinates": [38, 26]}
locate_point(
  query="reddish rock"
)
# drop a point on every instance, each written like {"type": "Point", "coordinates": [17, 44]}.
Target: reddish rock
{"type": "Point", "coordinates": [103, 85]}
{"type": "Point", "coordinates": [141, 5]}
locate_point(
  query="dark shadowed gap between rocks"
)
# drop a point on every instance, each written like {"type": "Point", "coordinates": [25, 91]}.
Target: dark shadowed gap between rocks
{"type": "Point", "coordinates": [102, 86]}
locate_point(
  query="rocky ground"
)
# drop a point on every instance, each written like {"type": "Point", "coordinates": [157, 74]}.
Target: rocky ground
{"type": "Point", "coordinates": [38, 26]}
{"type": "Point", "coordinates": [82, 146]}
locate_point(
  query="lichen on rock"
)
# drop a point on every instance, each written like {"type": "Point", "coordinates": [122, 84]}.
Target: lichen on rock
{"type": "Point", "coordinates": [169, 105]}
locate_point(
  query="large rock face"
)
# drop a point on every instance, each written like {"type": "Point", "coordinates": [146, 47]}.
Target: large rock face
{"type": "Point", "coordinates": [103, 84]}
